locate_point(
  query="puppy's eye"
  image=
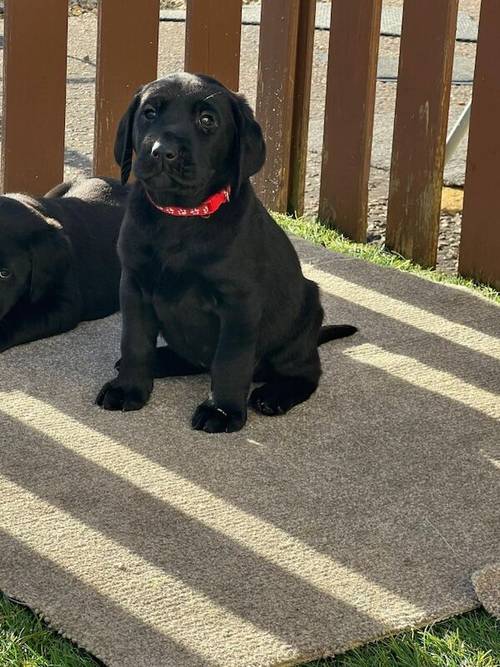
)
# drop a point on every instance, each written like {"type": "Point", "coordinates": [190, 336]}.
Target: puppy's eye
{"type": "Point", "coordinates": [149, 112]}
{"type": "Point", "coordinates": [5, 274]}
{"type": "Point", "coordinates": [207, 121]}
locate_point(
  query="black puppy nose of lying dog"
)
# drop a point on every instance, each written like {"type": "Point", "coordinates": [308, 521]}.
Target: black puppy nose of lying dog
{"type": "Point", "coordinates": [165, 150]}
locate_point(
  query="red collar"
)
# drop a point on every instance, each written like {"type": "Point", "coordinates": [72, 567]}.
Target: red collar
{"type": "Point", "coordinates": [204, 210]}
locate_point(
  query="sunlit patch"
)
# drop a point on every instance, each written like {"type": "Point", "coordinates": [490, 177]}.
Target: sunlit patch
{"type": "Point", "coordinates": [403, 312]}
{"type": "Point", "coordinates": [257, 535]}
{"type": "Point", "coordinates": [428, 378]}
{"type": "Point", "coordinates": [493, 461]}
{"type": "Point", "coordinates": [191, 619]}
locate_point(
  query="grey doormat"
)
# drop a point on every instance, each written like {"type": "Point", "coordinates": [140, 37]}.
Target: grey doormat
{"type": "Point", "coordinates": [392, 19]}
{"type": "Point", "coordinates": [362, 512]}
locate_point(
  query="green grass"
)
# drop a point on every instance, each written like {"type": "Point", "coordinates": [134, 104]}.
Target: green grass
{"type": "Point", "coordinates": [309, 229]}
{"type": "Point", "coordinates": [25, 641]}
{"type": "Point", "coordinates": [471, 640]}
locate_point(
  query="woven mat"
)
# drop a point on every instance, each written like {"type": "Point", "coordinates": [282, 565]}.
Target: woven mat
{"type": "Point", "coordinates": [362, 512]}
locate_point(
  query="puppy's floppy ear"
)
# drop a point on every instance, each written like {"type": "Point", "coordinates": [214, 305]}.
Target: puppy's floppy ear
{"type": "Point", "coordinates": [50, 259]}
{"type": "Point", "coordinates": [124, 140]}
{"type": "Point", "coordinates": [250, 146]}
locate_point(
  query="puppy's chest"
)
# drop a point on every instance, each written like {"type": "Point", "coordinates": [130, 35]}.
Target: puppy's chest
{"type": "Point", "coordinates": [156, 259]}
{"type": "Point", "coordinates": [179, 289]}
{"type": "Point", "coordinates": [170, 278]}
{"type": "Point", "coordinates": [186, 307]}
{"type": "Point", "coordinates": [182, 249]}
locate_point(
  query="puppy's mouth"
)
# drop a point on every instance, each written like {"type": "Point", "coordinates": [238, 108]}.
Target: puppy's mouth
{"type": "Point", "coordinates": [183, 176]}
{"type": "Point", "coordinates": [170, 184]}
{"type": "Point", "coordinates": [146, 170]}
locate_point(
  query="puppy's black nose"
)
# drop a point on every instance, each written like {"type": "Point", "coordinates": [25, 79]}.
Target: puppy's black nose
{"type": "Point", "coordinates": [164, 150]}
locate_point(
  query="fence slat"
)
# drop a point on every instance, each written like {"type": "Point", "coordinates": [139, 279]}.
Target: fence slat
{"type": "Point", "coordinates": [275, 97]}
{"type": "Point", "coordinates": [213, 39]}
{"type": "Point", "coordinates": [127, 57]}
{"type": "Point", "coordinates": [480, 242]}
{"type": "Point", "coordinates": [301, 105]}
{"type": "Point", "coordinates": [34, 102]}
{"type": "Point", "coordinates": [350, 104]}
{"type": "Point", "coordinates": [422, 105]}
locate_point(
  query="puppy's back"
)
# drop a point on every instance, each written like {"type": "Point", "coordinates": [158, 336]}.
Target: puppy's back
{"type": "Point", "coordinates": [91, 212]}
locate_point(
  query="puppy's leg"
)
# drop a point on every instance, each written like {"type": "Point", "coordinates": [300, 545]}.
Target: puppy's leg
{"type": "Point", "coordinates": [293, 383]}
{"type": "Point", "coordinates": [296, 368]}
{"type": "Point", "coordinates": [232, 370]}
{"type": "Point", "coordinates": [169, 364]}
{"type": "Point", "coordinates": [133, 386]}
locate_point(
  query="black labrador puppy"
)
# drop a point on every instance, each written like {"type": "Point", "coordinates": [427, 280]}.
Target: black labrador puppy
{"type": "Point", "coordinates": [58, 259]}
{"type": "Point", "coordinates": [205, 265]}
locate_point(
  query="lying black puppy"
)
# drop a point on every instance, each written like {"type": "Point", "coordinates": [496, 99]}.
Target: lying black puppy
{"type": "Point", "coordinates": [205, 264]}
{"type": "Point", "coordinates": [58, 260]}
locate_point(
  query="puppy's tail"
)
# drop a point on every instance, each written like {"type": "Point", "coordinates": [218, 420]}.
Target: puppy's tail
{"type": "Point", "coordinates": [334, 331]}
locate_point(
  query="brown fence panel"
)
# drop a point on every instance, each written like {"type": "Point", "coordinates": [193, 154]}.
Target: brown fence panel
{"type": "Point", "coordinates": [127, 57]}
{"type": "Point", "coordinates": [275, 97]}
{"type": "Point", "coordinates": [213, 38]}
{"type": "Point", "coordinates": [480, 242]}
{"type": "Point", "coordinates": [350, 103]}
{"type": "Point", "coordinates": [34, 94]}
{"type": "Point", "coordinates": [422, 105]}
{"type": "Point", "coordinates": [301, 104]}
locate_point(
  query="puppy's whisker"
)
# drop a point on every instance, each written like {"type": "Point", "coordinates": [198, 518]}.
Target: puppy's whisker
{"type": "Point", "coordinates": [210, 96]}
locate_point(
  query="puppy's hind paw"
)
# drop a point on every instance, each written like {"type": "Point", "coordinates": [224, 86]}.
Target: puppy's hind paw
{"type": "Point", "coordinates": [276, 398]}
{"type": "Point", "coordinates": [266, 402]}
{"type": "Point", "coordinates": [211, 419]}
{"type": "Point", "coordinates": [114, 397]}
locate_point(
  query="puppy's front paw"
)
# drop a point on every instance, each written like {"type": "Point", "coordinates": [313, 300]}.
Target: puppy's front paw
{"type": "Point", "coordinates": [115, 397]}
{"type": "Point", "coordinates": [211, 419]}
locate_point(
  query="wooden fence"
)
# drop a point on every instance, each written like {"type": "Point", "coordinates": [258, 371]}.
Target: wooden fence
{"type": "Point", "coordinates": [34, 82]}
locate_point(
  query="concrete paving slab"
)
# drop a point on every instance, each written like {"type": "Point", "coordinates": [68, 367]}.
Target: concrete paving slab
{"type": "Point", "coordinates": [392, 18]}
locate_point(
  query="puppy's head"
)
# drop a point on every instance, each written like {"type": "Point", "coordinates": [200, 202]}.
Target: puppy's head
{"type": "Point", "coordinates": [191, 137]}
{"type": "Point", "coordinates": [34, 253]}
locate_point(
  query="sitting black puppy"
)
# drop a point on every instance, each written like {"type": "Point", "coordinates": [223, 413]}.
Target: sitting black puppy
{"type": "Point", "coordinates": [205, 265]}
{"type": "Point", "coordinates": [58, 260]}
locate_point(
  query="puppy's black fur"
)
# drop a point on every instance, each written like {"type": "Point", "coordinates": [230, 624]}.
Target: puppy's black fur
{"type": "Point", "coordinates": [58, 259]}
{"type": "Point", "coordinates": [227, 292]}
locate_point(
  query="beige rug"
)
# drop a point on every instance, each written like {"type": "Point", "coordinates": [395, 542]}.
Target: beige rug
{"type": "Point", "coordinates": [362, 512]}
